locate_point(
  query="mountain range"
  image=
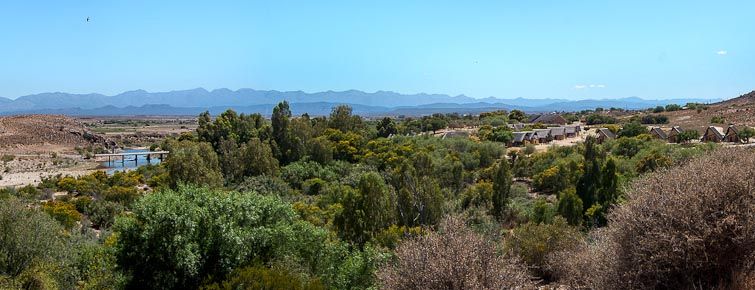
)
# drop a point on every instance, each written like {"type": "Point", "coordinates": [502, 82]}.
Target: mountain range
{"type": "Point", "coordinates": [192, 102]}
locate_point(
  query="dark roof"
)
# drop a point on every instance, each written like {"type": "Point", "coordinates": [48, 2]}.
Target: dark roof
{"type": "Point", "coordinates": [607, 133]}
{"type": "Point", "coordinates": [518, 126]}
{"type": "Point", "coordinates": [717, 130]}
{"type": "Point", "coordinates": [659, 132]}
{"type": "Point", "coordinates": [549, 119]}
{"type": "Point", "coordinates": [519, 136]}
{"type": "Point", "coordinates": [570, 129]}
{"type": "Point", "coordinates": [731, 128]}
{"type": "Point", "coordinates": [542, 133]}
{"type": "Point", "coordinates": [556, 131]}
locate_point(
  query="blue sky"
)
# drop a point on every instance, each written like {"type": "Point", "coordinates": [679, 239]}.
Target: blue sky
{"type": "Point", "coordinates": [507, 49]}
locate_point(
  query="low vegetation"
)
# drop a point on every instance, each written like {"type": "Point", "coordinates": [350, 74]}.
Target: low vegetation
{"type": "Point", "coordinates": [342, 202]}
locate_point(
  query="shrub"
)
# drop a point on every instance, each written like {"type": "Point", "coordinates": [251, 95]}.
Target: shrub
{"type": "Point", "coordinates": [533, 242]}
{"type": "Point", "coordinates": [718, 120]}
{"type": "Point", "coordinates": [7, 158]}
{"type": "Point", "coordinates": [594, 119]}
{"type": "Point", "coordinates": [688, 227]}
{"type": "Point", "coordinates": [455, 257]}
{"type": "Point", "coordinates": [654, 119]}
{"type": "Point", "coordinates": [263, 278]}
{"type": "Point", "coordinates": [632, 129]}
{"type": "Point", "coordinates": [313, 186]}
{"type": "Point", "coordinates": [122, 194]}
{"type": "Point", "coordinates": [688, 135]}
{"type": "Point", "coordinates": [673, 107]}
{"type": "Point", "coordinates": [63, 212]}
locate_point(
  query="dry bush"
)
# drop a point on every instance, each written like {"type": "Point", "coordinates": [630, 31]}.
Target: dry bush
{"type": "Point", "coordinates": [689, 227]}
{"type": "Point", "coordinates": [455, 257]}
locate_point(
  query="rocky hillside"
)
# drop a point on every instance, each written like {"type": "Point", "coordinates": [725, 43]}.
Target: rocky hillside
{"type": "Point", "coordinates": [53, 131]}
{"type": "Point", "coordinates": [739, 111]}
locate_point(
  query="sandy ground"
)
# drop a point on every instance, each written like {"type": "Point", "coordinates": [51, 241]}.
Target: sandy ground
{"type": "Point", "coordinates": [31, 168]}
{"type": "Point", "coordinates": [567, 141]}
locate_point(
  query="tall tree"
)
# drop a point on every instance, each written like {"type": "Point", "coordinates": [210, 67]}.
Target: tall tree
{"type": "Point", "coordinates": [570, 206]}
{"type": "Point", "coordinates": [589, 183]}
{"type": "Point", "coordinates": [366, 210]}
{"type": "Point", "coordinates": [501, 188]}
{"type": "Point", "coordinates": [280, 122]}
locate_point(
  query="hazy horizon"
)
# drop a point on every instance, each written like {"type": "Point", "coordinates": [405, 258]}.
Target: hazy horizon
{"type": "Point", "coordinates": [371, 92]}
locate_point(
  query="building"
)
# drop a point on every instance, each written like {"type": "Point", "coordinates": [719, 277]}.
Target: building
{"type": "Point", "coordinates": [713, 134]}
{"type": "Point", "coordinates": [455, 134]}
{"type": "Point", "coordinates": [673, 134]}
{"type": "Point", "coordinates": [519, 139]}
{"type": "Point", "coordinates": [529, 137]}
{"type": "Point", "coordinates": [516, 127]}
{"type": "Point", "coordinates": [731, 134]}
{"type": "Point", "coordinates": [657, 132]}
{"type": "Point", "coordinates": [549, 119]}
{"type": "Point", "coordinates": [571, 131]}
{"type": "Point", "coordinates": [542, 135]}
{"type": "Point", "coordinates": [605, 134]}
{"type": "Point", "coordinates": [557, 133]}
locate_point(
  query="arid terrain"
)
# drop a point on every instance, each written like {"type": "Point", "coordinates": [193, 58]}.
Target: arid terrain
{"type": "Point", "coordinates": [739, 111]}
{"type": "Point", "coordinates": [139, 130]}
{"type": "Point", "coordinates": [35, 146]}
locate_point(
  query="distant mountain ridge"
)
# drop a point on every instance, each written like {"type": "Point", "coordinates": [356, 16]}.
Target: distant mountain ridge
{"type": "Point", "coordinates": [261, 101]}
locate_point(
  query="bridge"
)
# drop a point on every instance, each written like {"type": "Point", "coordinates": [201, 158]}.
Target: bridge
{"type": "Point", "coordinates": [148, 155]}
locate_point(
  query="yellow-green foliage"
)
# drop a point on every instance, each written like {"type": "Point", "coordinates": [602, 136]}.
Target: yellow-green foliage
{"type": "Point", "coordinates": [121, 194]}
{"type": "Point", "coordinates": [63, 212]}
{"type": "Point", "coordinates": [478, 195]}
{"type": "Point", "coordinates": [67, 183]}
{"type": "Point", "coordinates": [391, 236]}
{"type": "Point", "coordinates": [316, 215]}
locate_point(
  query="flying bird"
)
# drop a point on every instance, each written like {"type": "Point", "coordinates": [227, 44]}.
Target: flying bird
{"type": "Point", "coordinates": [87, 19]}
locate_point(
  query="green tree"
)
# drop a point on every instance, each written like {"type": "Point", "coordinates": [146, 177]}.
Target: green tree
{"type": "Point", "coordinates": [386, 127]}
{"type": "Point", "coordinates": [502, 180]}
{"type": "Point", "coordinates": [342, 119]}
{"type": "Point", "coordinates": [688, 135]}
{"type": "Point", "coordinates": [745, 133]}
{"type": "Point", "coordinates": [588, 184]}
{"type": "Point", "coordinates": [366, 210]}
{"type": "Point", "coordinates": [280, 122]}
{"type": "Point", "coordinates": [632, 129]}
{"type": "Point", "coordinates": [178, 239]}
{"type": "Point", "coordinates": [420, 200]}
{"type": "Point", "coordinates": [193, 163]}
{"type": "Point", "coordinates": [258, 158]}
{"type": "Point", "coordinates": [517, 115]}
{"type": "Point", "coordinates": [570, 206]}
